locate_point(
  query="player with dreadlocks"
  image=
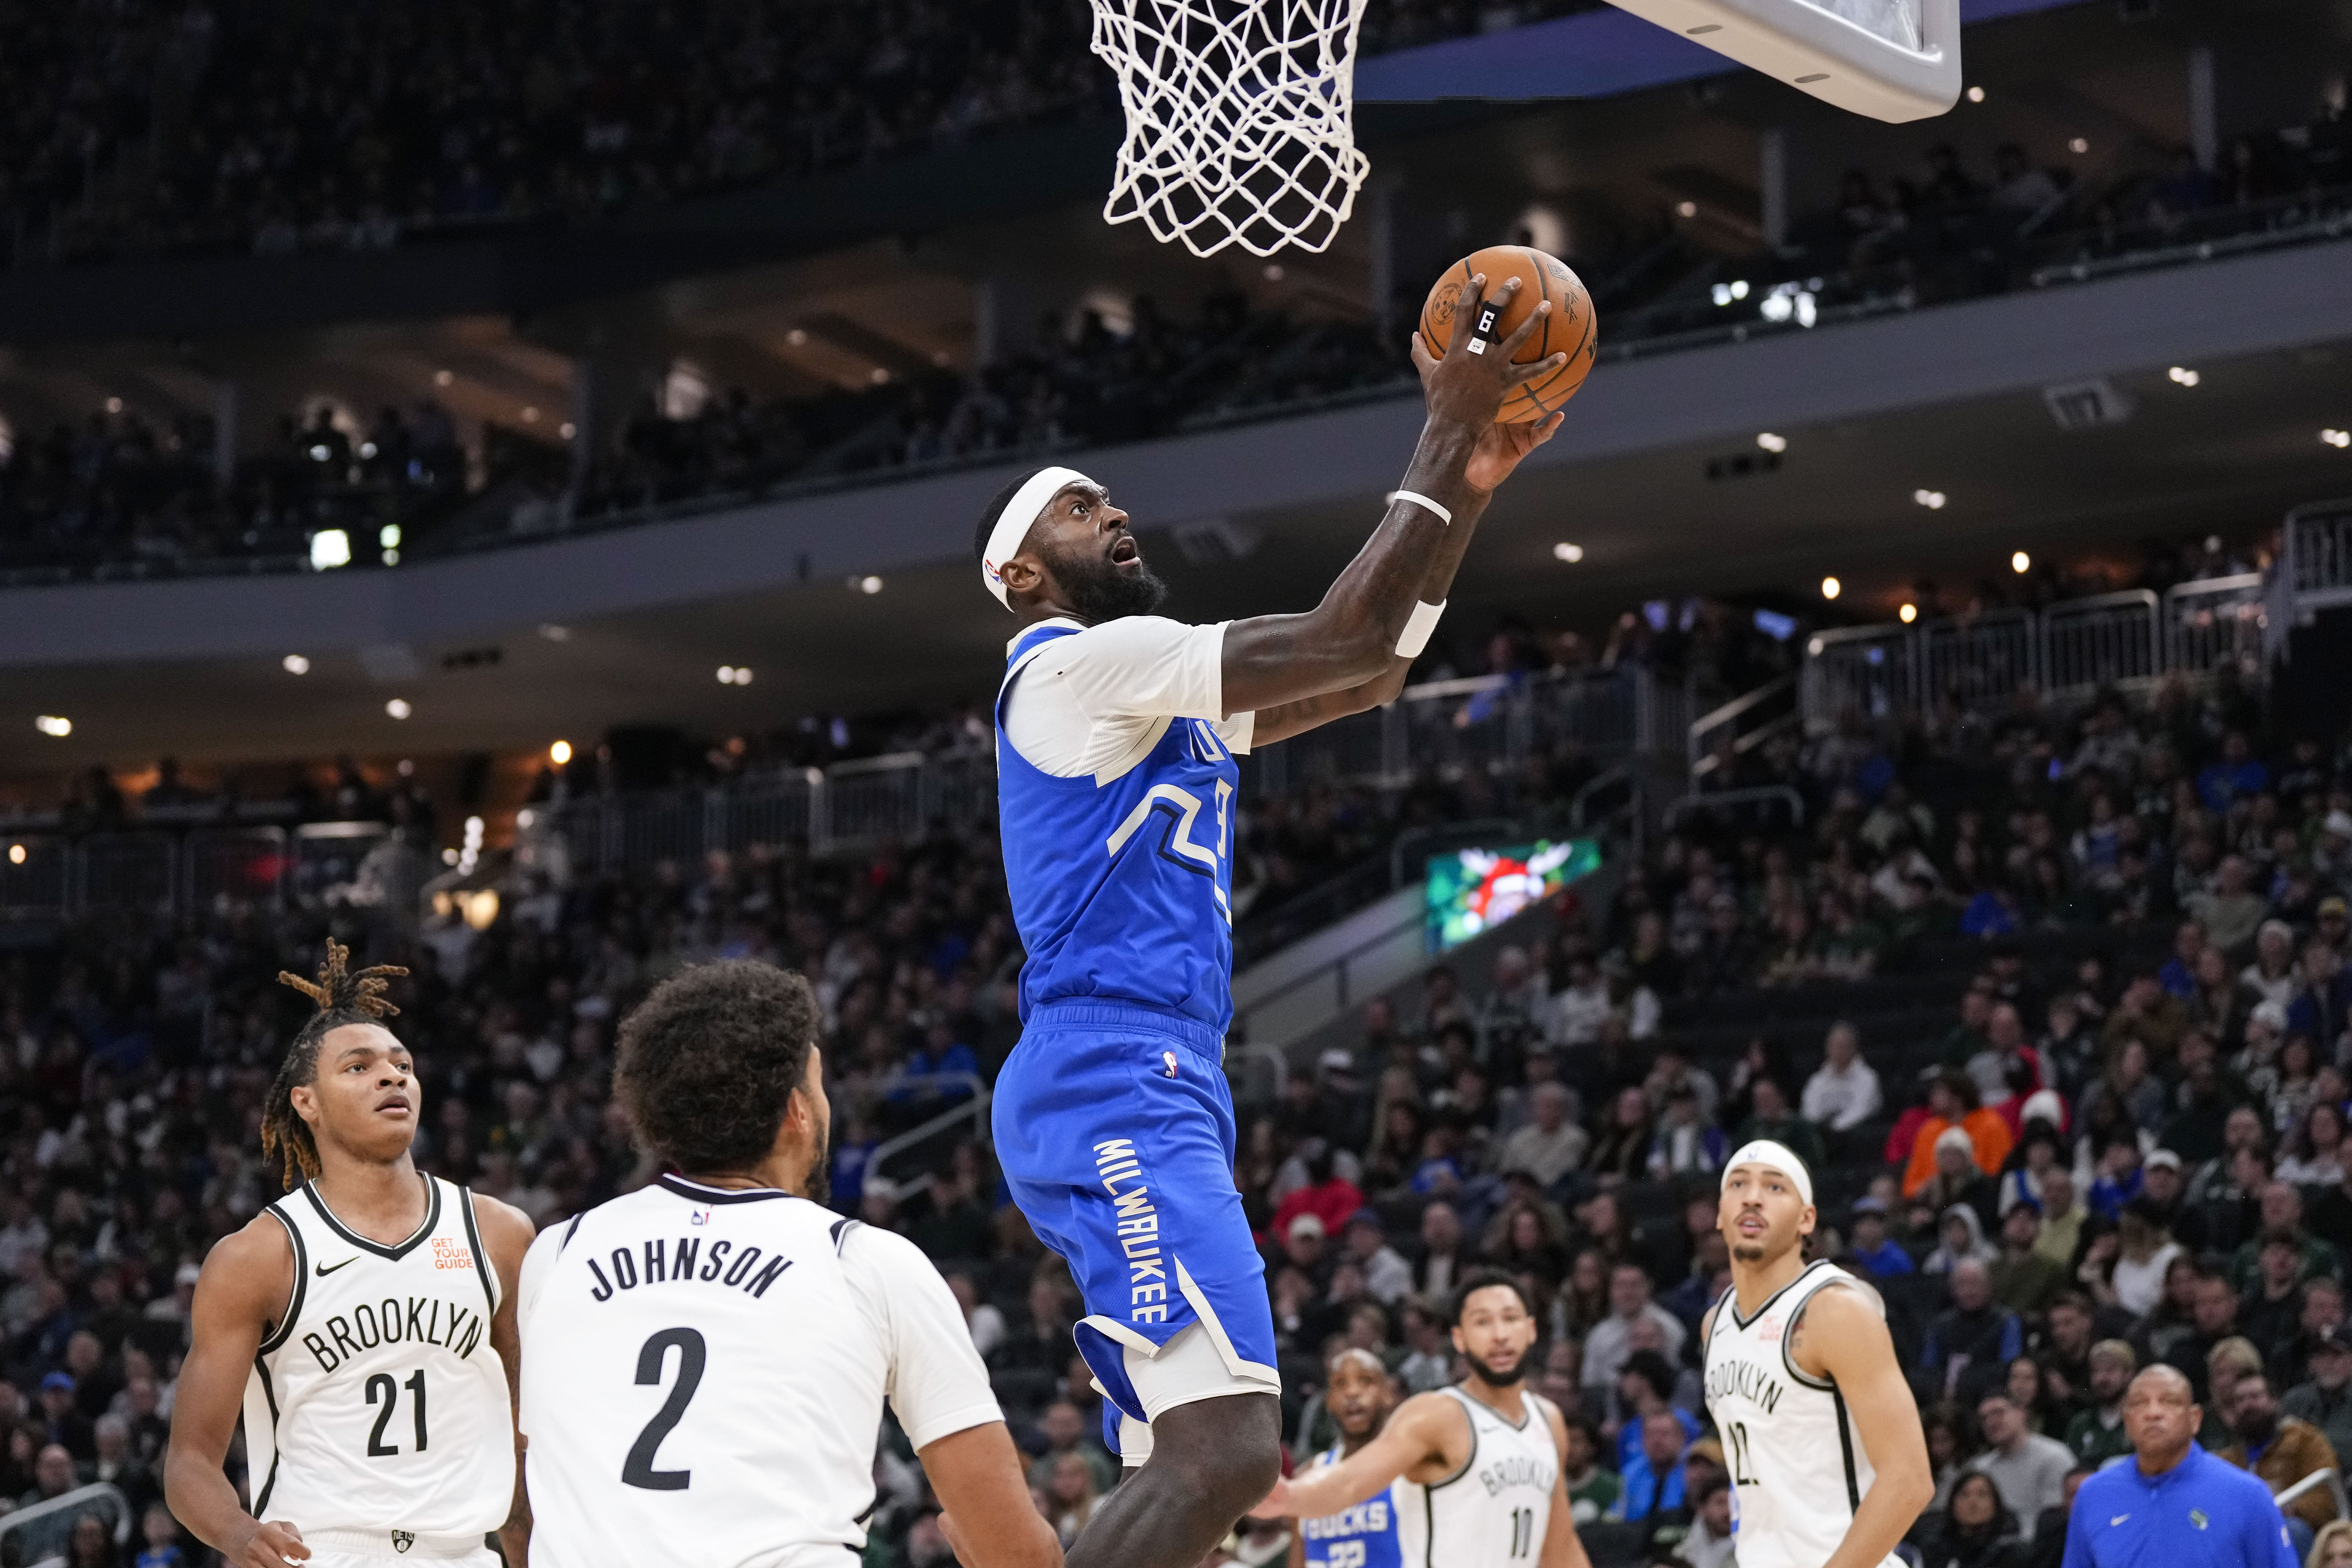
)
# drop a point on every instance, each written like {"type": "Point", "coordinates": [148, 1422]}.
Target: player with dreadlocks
{"type": "Point", "coordinates": [364, 1324]}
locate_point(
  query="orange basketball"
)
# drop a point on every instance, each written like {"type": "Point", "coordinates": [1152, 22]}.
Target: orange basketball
{"type": "Point", "coordinates": [1569, 329]}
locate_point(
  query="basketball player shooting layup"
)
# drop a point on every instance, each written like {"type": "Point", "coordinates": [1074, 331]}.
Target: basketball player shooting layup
{"type": "Point", "coordinates": [1115, 778]}
{"type": "Point", "coordinates": [1828, 1466]}
{"type": "Point", "coordinates": [1472, 1472]}
{"type": "Point", "coordinates": [364, 1323]}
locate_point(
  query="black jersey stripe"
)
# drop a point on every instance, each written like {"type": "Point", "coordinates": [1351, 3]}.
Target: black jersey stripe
{"type": "Point", "coordinates": [269, 1395]}
{"type": "Point", "coordinates": [698, 1192]}
{"type": "Point", "coordinates": [394, 1253]}
{"type": "Point", "coordinates": [285, 1328]}
{"type": "Point", "coordinates": [1743, 1321]}
{"type": "Point", "coordinates": [481, 1254]}
{"type": "Point", "coordinates": [1845, 1445]}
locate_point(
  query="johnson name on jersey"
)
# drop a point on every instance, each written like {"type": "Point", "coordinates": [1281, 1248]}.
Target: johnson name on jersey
{"type": "Point", "coordinates": [705, 1369]}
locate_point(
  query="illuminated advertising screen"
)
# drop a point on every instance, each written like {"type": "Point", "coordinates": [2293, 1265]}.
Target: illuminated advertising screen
{"type": "Point", "coordinates": [1472, 891]}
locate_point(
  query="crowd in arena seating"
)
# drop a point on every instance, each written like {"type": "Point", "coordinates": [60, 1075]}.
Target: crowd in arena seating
{"type": "Point", "coordinates": [192, 128]}
{"type": "Point", "coordinates": [2056, 1003]}
{"type": "Point", "coordinates": [1083, 388]}
{"type": "Point", "coordinates": [120, 495]}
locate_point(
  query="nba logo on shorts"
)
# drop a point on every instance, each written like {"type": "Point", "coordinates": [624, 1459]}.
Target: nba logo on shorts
{"type": "Point", "coordinates": [1170, 1058]}
{"type": "Point", "coordinates": [401, 1540]}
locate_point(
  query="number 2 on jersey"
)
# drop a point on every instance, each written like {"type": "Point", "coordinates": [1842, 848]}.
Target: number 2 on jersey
{"type": "Point", "coordinates": [691, 1357]}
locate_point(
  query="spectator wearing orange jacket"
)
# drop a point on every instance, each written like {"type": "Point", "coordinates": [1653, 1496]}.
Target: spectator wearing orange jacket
{"type": "Point", "coordinates": [1952, 1102]}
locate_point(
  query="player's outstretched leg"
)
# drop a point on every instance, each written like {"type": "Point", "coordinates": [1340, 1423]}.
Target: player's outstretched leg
{"type": "Point", "coordinates": [1211, 1463]}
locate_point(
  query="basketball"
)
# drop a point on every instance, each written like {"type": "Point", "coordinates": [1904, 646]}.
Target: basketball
{"type": "Point", "coordinates": [1569, 329]}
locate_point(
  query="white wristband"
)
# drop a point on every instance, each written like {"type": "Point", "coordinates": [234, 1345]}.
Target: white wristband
{"type": "Point", "coordinates": [1422, 501]}
{"type": "Point", "coordinates": [1417, 627]}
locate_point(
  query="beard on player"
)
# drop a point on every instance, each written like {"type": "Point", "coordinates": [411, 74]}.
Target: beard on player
{"type": "Point", "coordinates": [818, 1187]}
{"type": "Point", "coordinates": [1502, 1367]}
{"type": "Point", "coordinates": [1107, 583]}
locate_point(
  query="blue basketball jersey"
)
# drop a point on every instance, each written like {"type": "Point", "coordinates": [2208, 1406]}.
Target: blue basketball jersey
{"type": "Point", "coordinates": [1364, 1536]}
{"type": "Point", "coordinates": [1121, 887]}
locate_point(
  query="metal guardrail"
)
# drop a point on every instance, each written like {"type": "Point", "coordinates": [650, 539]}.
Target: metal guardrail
{"type": "Point", "coordinates": [1744, 722]}
{"type": "Point", "coordinates": [2315, 558]}
{"type": "Point", "coordinates": [2128, 640]}
{"type": "Point", "coordinates": [973, 1109]}
{"type": "Point", "coordinates": [40, 1531]}
{"type": "Point", "coordinates": [1492, 722]}
{"type": "Point", "coordinates": [1495, 723]}
{"type": "Point", "coordinates": [2332, 1478]}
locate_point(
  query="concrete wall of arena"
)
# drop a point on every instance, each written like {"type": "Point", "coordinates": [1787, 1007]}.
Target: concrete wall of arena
{"type": "Point", "coordinates": [2204, 311]}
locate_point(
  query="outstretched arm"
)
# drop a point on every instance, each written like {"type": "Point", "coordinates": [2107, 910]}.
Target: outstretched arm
{"type": "Point", "coordinates": [1348, 641]}
{"type": "Point", "coordinates": [1499, 452]}
{"type": "Point", "coordinates": [247, 1281]}
{"type": "Point", "coordinates": [1841, 1335]}
{"type": "Point", "coordinates": [1426, 1430]}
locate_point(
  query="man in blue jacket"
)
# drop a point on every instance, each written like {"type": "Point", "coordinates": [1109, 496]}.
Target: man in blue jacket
{"type": "Point", "coordinates": [2172, 1504]}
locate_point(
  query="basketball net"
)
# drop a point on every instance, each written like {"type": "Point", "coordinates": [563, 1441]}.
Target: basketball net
{"type": "Point", "coordinates": [1240, 120]}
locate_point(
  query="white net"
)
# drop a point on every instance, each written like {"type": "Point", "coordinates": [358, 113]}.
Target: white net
{"type": "Point", "coordinates": [1240, 120]}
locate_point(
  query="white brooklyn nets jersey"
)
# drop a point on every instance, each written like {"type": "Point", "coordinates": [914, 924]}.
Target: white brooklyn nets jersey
{"type": "Point", "coordinates": [378, 1406]}
{"type": "Point", "coordinates": [1492, 1513]}
{"type": "Point", "coordinates": [1798, 1468]}
{"type": "Point", "coordinates": [703, 1375]}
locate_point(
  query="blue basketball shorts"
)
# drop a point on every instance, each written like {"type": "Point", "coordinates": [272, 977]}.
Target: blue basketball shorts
{"type": "Point", "coordinates": [1114, 1125]}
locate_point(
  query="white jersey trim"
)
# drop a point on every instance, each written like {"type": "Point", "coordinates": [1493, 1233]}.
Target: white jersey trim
{"type": "Point", "coordinates": [1108, 693]}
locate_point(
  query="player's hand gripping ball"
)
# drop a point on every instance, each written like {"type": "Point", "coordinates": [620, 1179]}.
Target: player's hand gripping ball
{"type": "Point", "coordinates": [1569, 329]}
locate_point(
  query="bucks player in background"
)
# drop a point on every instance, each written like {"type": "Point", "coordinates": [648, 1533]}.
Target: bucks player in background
{"type": "Point", "coordinates": [1828, 1466]}
{"type": "Point", "coordinates": [363, 1324]}
{"type": "Point", "coordinates": [1360, 1393]}
{"type": "Point", "coordinates": [1117, 734]}
{"type": "Point", "coordinates": [705, 1361]}
{"type": "Point", "coordinates": [1475, 1469]}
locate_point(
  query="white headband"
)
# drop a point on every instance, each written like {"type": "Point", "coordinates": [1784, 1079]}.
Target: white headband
{"type": "Point", "coordinates": [1019, 516]}
{"type": "Point", "coordinates": [1776, 1156]}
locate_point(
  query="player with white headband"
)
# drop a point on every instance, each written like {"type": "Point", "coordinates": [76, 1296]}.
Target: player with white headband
{"type": "Point", "coordinates": [1829, 1469]}
{"type": "Point", "coordinates": [1117, 734]}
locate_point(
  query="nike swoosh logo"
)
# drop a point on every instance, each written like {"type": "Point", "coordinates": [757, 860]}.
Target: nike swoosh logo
{"type": "Point", "coordinates": [323, 1270]}
{"type": "Point", "coordinates": [2118, 1519]}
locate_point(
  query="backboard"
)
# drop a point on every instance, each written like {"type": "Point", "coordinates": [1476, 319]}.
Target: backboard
{"type": "Point", "coordinates": [1890, 60]}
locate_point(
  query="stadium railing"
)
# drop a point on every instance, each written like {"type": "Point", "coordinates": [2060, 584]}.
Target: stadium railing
{"type": "Point", "coordinates": [931, 1137]}
{"type": "Point", "coordinates": [39, 1532]}
{"type": "Point", "coordinates": [1742, 725]}
{"type": "Point", "coordinates": [2126, 641]}
{"type": "Point", "coordinates": [2316, 558]}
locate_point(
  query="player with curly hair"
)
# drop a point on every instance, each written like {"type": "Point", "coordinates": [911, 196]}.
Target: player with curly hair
{"type": "Point", "coordinates": [363, 1324]}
